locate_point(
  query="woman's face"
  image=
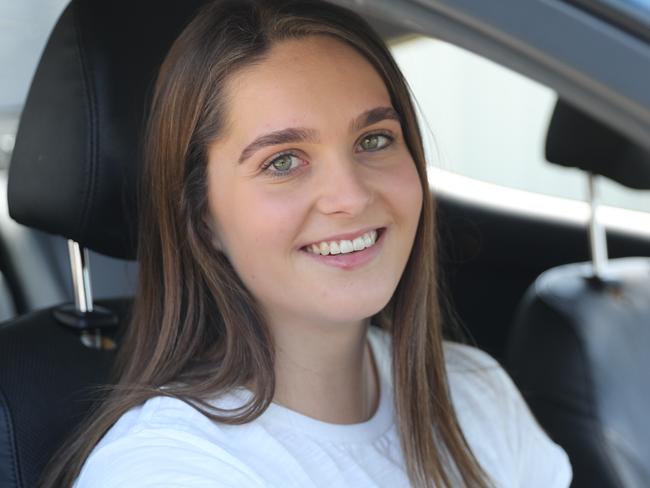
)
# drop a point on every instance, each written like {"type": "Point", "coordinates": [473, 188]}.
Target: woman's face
{"type": "Point", "coordinates": [312, 164]}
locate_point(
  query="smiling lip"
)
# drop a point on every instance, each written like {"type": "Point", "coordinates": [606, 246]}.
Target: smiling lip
{"type": "Point", "coordinates": [354, 259]}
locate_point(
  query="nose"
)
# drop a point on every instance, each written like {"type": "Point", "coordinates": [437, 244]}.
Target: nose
{"type": "Point", "coordinates": [342, 187]}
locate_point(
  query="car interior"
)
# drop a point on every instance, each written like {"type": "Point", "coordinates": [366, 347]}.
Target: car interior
{"type": "Point", "coordinates": [563, 305]}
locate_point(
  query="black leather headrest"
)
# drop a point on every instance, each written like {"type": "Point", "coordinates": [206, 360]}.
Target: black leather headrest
{"type": "Point", "coordinates": [76, 158]}
{"type": "Point", "coordinates": [575, 139]}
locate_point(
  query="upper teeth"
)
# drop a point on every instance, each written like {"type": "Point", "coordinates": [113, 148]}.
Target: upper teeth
{"type": "Point", "coordinates": [344, 246]}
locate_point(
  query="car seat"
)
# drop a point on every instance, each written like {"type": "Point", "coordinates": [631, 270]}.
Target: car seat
{"type": "Point", "coordinates": [579, 345]}
{"type": "Point", "coordinates": [73, 173]}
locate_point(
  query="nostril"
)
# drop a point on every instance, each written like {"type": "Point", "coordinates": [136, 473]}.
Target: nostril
{"type": "Point", "coordinates": [345, 192]}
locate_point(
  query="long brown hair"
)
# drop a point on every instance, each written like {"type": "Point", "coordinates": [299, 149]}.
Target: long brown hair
{"type": "Point", "coordinates": [195, 328]}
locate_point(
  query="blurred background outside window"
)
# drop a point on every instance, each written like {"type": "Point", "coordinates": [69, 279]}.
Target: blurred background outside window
{"type": "Point", "coordinates": [489, 123]}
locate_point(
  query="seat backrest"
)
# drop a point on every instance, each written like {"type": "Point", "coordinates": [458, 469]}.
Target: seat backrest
{"type": "Point", "coordinates": [48, 382]}
{"type": "Point", "coordinates": [579, 346]}
{"type": "Point", "coordinates": [579, 353]}
{"type": "Point", "coordinates": [73, 174]}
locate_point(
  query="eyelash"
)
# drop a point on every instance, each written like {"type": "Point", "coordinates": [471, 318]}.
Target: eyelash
{"type": "Point", "coordinates": [266, 167]}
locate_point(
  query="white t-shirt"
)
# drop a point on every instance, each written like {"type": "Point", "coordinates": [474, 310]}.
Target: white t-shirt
{"type": "Point", "coordinates": [167, 443]}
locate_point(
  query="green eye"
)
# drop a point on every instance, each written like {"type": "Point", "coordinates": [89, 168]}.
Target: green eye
{"type": "Point", "coordinates": [374, 142]}
{"type": "Point", "coordinates": [283, 163]}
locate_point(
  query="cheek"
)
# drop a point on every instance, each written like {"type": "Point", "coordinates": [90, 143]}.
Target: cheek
{"type": "Point", "coordinates": [256, 228]}
{"type": "Point", "coordinates": [405, 192]}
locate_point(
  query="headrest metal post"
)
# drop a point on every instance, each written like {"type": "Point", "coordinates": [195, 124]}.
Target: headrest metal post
{"type": "Point", "coordinates": [83, 316]}
{"type": "Point", "coordinates": [597, 235]}
{"type": "Point", "coordinates": [79, 264]}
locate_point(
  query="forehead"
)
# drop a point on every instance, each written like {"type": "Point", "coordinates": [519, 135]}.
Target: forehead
{"type": "Point", "coordinates": [308, 82]}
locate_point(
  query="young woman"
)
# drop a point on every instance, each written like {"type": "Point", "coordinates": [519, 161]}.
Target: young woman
{"type": "Point", "coordinates": [286, 329]}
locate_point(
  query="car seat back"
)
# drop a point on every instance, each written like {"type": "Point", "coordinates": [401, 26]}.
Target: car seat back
{"type": "Point", "coordinates": [579, 351]}
{"type": "Point", "coordinates": [579, 346]}
{"type": "Point", "coordinates": [73, 174]}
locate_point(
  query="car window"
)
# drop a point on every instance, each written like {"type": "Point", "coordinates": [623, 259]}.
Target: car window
{"type": "Point", "coordinates": [24, 28]}
{"type": "Point", "coordinates": [484, 121]}
{"type": "Point", "coordinates": [8, 125]}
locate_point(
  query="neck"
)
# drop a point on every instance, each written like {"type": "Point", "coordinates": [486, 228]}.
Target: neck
{"type": "Point", "coordinates": [326, 371]}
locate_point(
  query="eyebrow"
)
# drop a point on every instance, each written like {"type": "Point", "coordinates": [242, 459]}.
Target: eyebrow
{"type": "Point", "coordinates": [373, 116]}
{"type": "Point", "coordinates": [301, 134]}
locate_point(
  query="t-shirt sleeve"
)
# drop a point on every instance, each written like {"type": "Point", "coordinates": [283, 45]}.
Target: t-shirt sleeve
{"type": "Point", "coordinates": [170, 460]}
{"type": "Point", "coordinates": [499, 426]}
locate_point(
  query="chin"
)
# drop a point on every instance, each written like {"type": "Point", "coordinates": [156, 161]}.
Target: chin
{"type": "Point", "coordinates": [353, 310]}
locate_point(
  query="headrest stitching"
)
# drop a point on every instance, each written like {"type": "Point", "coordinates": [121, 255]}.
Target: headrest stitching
{"type": "Point", "coordinates": [91, 103]}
